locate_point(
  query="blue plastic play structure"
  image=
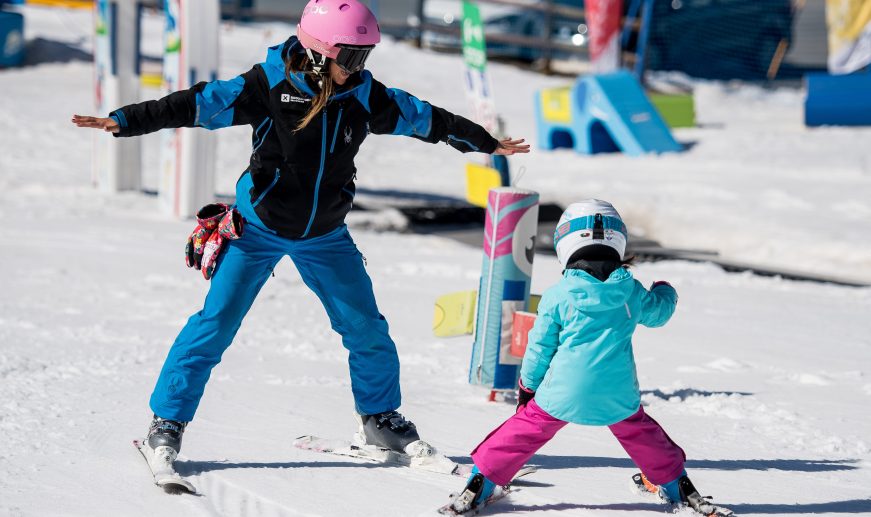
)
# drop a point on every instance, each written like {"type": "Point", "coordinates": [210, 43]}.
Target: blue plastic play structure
{"type": "Point", "coordinates": [602, 113]}
{"type": "Point", "coordinates": [838, 100]}
{"type": "Point", "coordinates": [11, 38]}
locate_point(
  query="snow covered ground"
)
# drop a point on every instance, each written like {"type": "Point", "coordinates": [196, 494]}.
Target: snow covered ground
{"type": "Point", "coordinates": [766, 383]}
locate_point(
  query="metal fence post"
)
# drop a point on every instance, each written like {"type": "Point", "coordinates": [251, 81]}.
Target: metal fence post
{"type": "Point", "coordinates": [420, 21]}
{"type": "Point", "coordinates": [547, 53]}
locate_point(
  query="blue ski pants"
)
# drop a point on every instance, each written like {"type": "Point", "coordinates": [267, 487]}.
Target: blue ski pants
{"type": "Point", "coordinates": [332, 267]}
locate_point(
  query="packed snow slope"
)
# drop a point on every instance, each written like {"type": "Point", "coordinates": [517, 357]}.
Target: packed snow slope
{"type": "Point", "coordinates": [765, 383]}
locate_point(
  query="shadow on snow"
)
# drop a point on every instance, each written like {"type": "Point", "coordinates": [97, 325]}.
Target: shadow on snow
{"type": "Point", "coordinates": [572, 462]}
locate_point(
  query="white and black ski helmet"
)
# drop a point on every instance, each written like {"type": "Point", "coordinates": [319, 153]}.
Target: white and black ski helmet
{"type": "Point", "coordinates": [587, 223]}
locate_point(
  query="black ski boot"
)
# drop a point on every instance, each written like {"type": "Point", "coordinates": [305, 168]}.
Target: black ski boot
{"type": "Point", "coordinates": [702, 504]}
{"type": "Point", "coordinates": [165, 433]}
{"type": "Point", "coordinates": [390, 430]}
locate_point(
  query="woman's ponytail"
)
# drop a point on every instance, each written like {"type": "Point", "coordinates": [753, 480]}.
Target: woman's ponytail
{"type": "Point", "coordinates": [299, 63]}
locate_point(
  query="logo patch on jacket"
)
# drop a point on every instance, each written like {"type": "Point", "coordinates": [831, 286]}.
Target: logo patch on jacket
{"type": "Point", "coordinates": [347, 134]}
{"type": "Point", "coordinates": [286, 97]}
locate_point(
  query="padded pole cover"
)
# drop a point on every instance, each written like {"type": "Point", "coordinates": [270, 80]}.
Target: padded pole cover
{"type": "Point", "coordinates": [509, 246]}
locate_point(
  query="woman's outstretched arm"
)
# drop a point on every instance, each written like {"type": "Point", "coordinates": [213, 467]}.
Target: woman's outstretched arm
{"type": "Point", "coordinates": [397, 112]}
{"type": "Point", "coordinates": [211, 105]}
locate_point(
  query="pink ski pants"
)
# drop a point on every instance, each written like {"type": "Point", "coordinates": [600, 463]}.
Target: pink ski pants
{"type": "Point", "coordinates": [510, 445]}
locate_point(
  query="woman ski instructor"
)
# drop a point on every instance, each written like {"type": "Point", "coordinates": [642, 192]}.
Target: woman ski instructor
{"type": "Point", "coordinates": [311, 104]}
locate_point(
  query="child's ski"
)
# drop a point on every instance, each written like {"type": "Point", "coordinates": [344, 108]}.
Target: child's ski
{"type": "Point", "coordinates": [697, 503]}
{"type": "Point", "coordinates": [431, 463]}
{"type": "Point", "coordinates": [464, 499]}
{"type": "Point", "coordinates": [160, 463]}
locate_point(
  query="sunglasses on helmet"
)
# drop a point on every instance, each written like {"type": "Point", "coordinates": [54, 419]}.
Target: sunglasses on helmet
{"type": "Point", "coordinates": [352, 58]}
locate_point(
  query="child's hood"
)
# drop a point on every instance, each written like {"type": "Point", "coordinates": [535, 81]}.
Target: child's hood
{"type": "Point", "coordinates": [592, 295]}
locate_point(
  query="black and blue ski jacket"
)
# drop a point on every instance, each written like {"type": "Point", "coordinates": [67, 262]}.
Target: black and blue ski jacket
{"type": "Point", "coordinates": [302, 181]}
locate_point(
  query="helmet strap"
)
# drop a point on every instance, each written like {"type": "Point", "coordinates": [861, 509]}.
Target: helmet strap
{"type": "Point", "coordinates": [317, 66]}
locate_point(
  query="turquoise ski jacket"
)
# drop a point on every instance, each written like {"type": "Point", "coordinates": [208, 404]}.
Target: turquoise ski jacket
{"type": "Point", "coordinates": [579, 359]}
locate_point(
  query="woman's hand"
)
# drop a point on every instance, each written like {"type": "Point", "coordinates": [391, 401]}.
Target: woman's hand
{"type": "Point", "coordinates": [508, 146]}
{"type": "Point", "coordinates": [106, 124]}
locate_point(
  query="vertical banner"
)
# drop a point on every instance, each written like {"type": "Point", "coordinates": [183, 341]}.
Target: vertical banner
{"type": "Point", "coordinates": [187, 156]}
{"type": "Point", "coordinates": [849, 23]}
{"type": "Point", "coordinates": [479, 90]}
{"type": "Point", "coordinates": [116, 163]}
{"type": "Point", "coordinates": [509, 247]}
{"type": "Point", "coordinates": [603, 19]}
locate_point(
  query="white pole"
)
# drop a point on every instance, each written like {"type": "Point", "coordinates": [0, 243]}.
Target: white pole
{"type": "Point", "coordinates": [188, 154]}
{"type": "Point", "coordinates": [117, 161]}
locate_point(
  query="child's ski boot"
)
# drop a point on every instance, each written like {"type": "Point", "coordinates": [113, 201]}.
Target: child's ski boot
{"type": "Point", "coordinates": [479, 492]}
{"type": "Point", "coordinates": [682, 491]}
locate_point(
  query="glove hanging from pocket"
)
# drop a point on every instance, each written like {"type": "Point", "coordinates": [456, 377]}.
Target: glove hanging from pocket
{"type": "Point", "coordinates": [208, 218]}
{"type": "Point", "coordinates": [524, 395]}
{"type": "Point", "coordinates": [229, 229]}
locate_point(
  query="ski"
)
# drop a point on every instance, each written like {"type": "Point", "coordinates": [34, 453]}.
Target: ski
{"type": "Point", "coordinates": [434, 462]}
{"type": "Point", "coordinates": [160, 463]}
{"type": "Point", "coordinates": [699, 504]}
{"type": "Point", "coordinates": [500, 492]}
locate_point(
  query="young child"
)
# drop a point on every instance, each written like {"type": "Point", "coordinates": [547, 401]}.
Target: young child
{"type": "Point", "coordinates": [579, 365]}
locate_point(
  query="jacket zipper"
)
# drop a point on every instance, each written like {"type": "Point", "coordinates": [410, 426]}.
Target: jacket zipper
{"type": "Point", "coordinates": [311, 219]}
{"type": "Point", "coordinates": [271, 185]}
{"type": "Point", "coordinates": [336, 131]}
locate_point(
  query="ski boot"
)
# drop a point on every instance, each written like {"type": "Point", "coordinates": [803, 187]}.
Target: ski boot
{"type": "Point", "coordinates": [160, 449]}
{"type": "Point", "coordinates": [163, 444]}
{"type": "Point", "coordinates": [165, 433]}
{"type": "Point", "coordinates": [478, 492]}
{"type": "Point", "coordinates": [390, 430]}
{"type": "Point", "coordinates": [681, 491]}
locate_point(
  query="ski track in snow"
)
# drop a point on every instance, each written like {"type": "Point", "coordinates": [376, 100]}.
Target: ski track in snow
{"type": "Point", "coordinates": [224, 498]}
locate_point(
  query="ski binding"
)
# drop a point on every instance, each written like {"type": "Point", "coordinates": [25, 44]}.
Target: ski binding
{"type": "Point", "coordinates": [498, 493]}
{"type": "Point", "coordinates": [699, 504]}
{"type": "Point", "coordinates": [160, 462]}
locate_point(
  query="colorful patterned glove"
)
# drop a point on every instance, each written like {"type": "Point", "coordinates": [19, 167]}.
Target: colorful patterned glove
{"type": "Point", "coordinates": [524, 395]}
{"type": "Point", "coordinates": [229, 229]}
{"type": "Point", "coordinates": [208, 218]}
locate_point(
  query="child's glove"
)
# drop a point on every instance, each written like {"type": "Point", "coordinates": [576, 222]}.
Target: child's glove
{"type": "Point", "coordinates": [524, 395]}
{"type": "Point", "coordinates": [229, 229]}
{"type": "Point", "coordinates": [208, 218]}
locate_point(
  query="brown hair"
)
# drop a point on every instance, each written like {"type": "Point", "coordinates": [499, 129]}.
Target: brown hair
{"type": "Point", "coordinates": [299, 62]}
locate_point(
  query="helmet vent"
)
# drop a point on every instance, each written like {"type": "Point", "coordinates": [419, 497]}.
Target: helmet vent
{"type": "Point", "coordinates": [344, 7]}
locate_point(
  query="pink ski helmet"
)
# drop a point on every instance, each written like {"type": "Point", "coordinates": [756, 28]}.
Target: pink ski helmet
{"type": "Point", "coordinates": [342, 30]}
